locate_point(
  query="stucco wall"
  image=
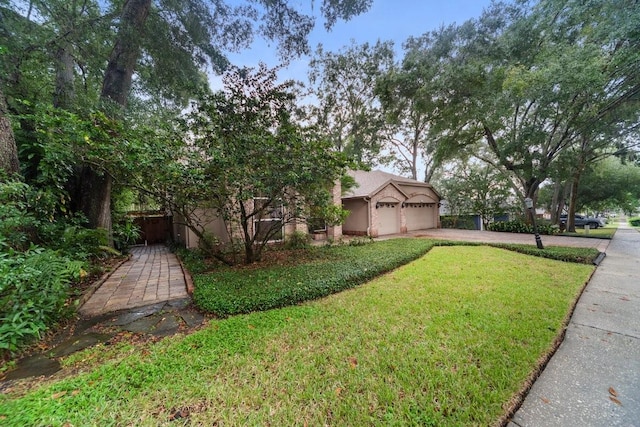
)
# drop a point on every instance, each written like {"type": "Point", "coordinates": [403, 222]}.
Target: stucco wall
{"type": "Point", "coordinates": [358, 220]}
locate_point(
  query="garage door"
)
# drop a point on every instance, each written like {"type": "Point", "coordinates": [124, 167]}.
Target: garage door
{"type": "Point", "coordinates": [388, 218]}
{"type": "Point", "coordinates": [419, 216]}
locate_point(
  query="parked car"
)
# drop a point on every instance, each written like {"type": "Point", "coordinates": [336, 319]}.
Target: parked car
{"type": "Point", "coordinates": [581, 221]}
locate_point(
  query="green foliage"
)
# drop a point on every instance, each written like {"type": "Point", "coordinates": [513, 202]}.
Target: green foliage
{"type": "Point", "coordinates": [348, 111]}
{"type": "Point", "coordinates": [462, 222]}
{"type": "Point", "coordinates": [519, 226]}
{"type": "Point", "coordinates": [34, 287]}
{"type": "Point", "coordinates": [193, 259]}
{"type": "Point", "coordinates": [233, 291]}
{"type": "Point", "coordinates": [473, 188]}
{"type": "Point", "coordinates": [360, 241]}
{"type": "Point", "coordinates": [34, 281]}
{"type": "Point", "coordinates": [83, 243]}
{"type": "Point", "coordinates": [609, 184]}
{"type": "Point", "coordinates": [574, 255]}
{"type": "Point", "coordinates": [255, 165]}
{"type": "Point", "coordinates": [125, 233]}
{"type": "Point", "coordinates": [333, 214]}
{"type": "Point", "coordinates": [297, 240]}
{"type": "Point", "coordinates": [443, 341]}
{"type": "Point", "coordinates": [635, 222]}
{"type": "Point", "coordinates": [17, 224]}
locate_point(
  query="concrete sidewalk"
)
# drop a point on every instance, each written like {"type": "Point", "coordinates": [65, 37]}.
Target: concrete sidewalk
{"type": "Point", "coordinates": [594, 377]}
{"type": "Point", "coordinates": [152, 275]}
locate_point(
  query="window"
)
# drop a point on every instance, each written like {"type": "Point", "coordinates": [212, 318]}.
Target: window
{"type": "Point", "coordinates": [269, 222]}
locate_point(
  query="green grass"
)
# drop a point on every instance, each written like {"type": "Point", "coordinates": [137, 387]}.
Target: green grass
{"type": "Point", "coordinates": [327, 270]}
{"type": "Point", "coordinates": [229, 291]}
{"type": "Point", "coordinates": [448, 339]}
{"type": "Point", "coordinates": [606, 232]}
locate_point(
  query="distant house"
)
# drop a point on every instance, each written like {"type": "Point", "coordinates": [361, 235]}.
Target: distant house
{"type": "Point", "coordinates": [384, 203]}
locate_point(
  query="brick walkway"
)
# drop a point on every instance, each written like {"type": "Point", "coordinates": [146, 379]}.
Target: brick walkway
{"type": "Point", "coordinates": [153, 274]}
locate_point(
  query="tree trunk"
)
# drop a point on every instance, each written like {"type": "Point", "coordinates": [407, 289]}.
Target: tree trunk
{"type": "Point", "coordinates": [573, 198]}
{"type": "Point", "coordinates": [96, 191]}
{"type": "Point", "coordinates": [557, 202]}
{"type": "Point", "coordinates": [8, 150]}
{"type": "Point", "coordinates": [118, 76]}
{"type": "Point", "coordinates": [575, 181]}
{"type": "Point", "coordinates": [64, 92]}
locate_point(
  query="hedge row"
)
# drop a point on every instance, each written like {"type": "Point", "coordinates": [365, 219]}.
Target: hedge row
{"type": "Point", "coordinates": [634, 222]}
{"type": "Point", "coordinates": [576, 255]}
{"type": "Point", "coordinates": [522, 227]}
{"type": "Point", "coordinates": [234, 291]}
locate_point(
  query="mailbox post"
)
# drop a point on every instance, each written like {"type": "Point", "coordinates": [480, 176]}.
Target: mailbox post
{"type": "Point", "coordinates": [529, 204]}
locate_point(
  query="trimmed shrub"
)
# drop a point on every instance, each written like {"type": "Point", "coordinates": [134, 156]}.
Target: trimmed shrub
{"type": "Point", "coordinates": [635, 222]}
{"type": "Point", "coordinates": [575, 255]}
{"type": "Point", "coordinates": [519, 226]}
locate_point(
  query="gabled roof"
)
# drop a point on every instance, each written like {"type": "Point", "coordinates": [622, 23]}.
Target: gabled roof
{"type": "Point", "coordinates": [370, 183]}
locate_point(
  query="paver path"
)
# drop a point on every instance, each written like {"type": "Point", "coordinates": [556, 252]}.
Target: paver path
{"type": "Point", "coordinates": [153, 274]}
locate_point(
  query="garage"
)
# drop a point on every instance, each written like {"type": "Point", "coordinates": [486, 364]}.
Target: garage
{"type": "Point", "coordinates": [381, 204]}
{"type": "Point", "coordinates": [420, 216]}
{"type": "Point", "coordinates": [388, 217]}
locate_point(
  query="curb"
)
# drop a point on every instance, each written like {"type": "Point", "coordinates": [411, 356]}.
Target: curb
{"type": "Point", "coordinates": [188, 280]}
{"type": "Point", "coordinates": [599, 258]}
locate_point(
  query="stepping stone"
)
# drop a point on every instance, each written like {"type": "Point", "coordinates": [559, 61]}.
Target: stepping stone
{"type": "Point", "coordinates": [142, 326]}
{"type": "Point", "coordinates": [78, 343]}
{"type": "Point", "coordinates": [167, 326]}
{"type": "Point", "coordinates": [34, 366]}
{"type": "Point", "coordinates": [192, 318]}
{"type": "Point", "coordinates": [179, 304]}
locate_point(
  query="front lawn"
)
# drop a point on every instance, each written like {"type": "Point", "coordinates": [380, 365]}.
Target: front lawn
{"type": "Point", "coordinates": [606, 232]}
{"type": "Point", "coordinates": [327, 270]}
{"type": "Point", "coordinates": [448, 339]}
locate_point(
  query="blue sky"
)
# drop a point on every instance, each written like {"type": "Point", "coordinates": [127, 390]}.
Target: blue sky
{"type": "Point", "coordinates": [386, 20]}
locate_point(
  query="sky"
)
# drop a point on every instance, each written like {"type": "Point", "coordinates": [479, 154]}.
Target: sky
{"type": "Point", "coordinates": [394, 20]}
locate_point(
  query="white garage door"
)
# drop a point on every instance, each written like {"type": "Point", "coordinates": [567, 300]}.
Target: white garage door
{"type": "Point", "coordinates": [388, 218]}
{"type": "Point", "coordinates": [419, 216]}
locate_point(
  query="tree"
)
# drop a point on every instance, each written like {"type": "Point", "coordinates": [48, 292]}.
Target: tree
{"type": "Point", "coordinates": [475, 188]}
{"type": "Point", "coordinates": [8, 151]}
{"type": "Point", "coordinates": [407, 93]}
{"type": "Point", "coordinates": [609, 185]}
{"type": "Point", "coordinates": [526, 85]}
{"type": "Point", "coordinates": [344, 85]}
{"type": "Point", "coordinates": [248, 160]}
{"type": "Point", "coordinates": [159, 51]}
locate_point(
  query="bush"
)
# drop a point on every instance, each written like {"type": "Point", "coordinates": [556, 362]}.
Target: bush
{"type": "Point", "coordinates": [297, 240]}
{"type": "Point", "coordinates": [34, 287]}
{"type": "Point", "coordinates": [635, 222]}
{"type": "Point", "coordinates": [125, 233]}
{"type": "Point", "coordinates": [575, 255]}
{"type": "Point", "coordinates": [465, 222]}
{"type": "Point", "coordinates": [233, 291]}
{"type": "Point", "coordinates": [519, 226]}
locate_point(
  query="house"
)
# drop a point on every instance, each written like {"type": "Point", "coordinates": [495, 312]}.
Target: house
{"type": "Point", "coordinates": [210, 223]}
{"type": "Point", "coordinates": [383, 203]}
